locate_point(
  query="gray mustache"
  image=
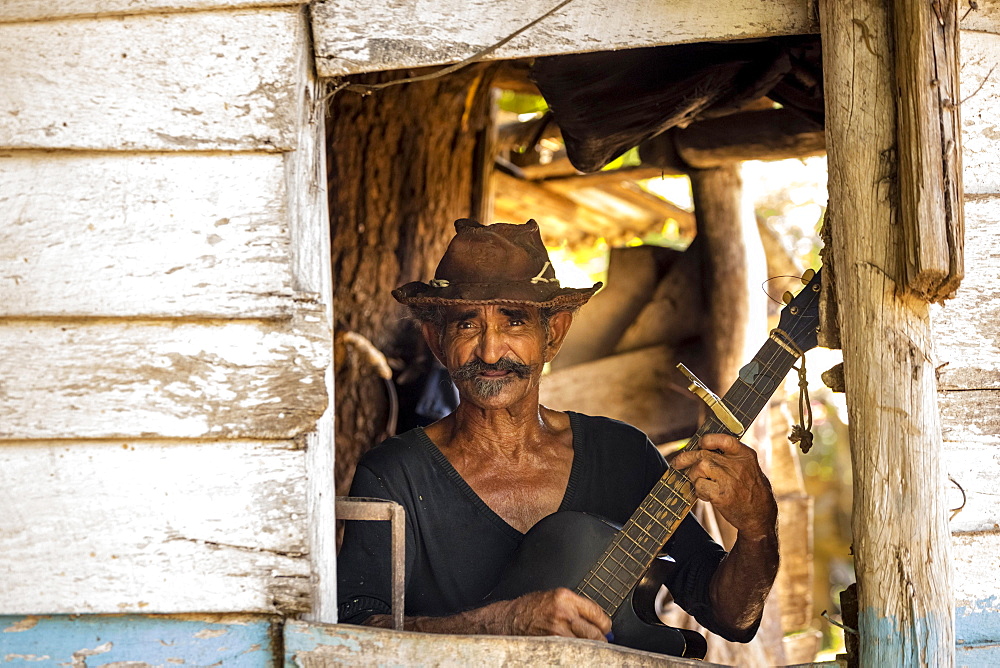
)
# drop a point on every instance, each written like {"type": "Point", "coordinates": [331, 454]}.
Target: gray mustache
{"type": "Point", "coordinates": [473, 368]}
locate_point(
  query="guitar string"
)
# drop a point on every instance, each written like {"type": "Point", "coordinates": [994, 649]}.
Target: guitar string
{"type": "Point", "coordinates": [616, 546]}
{"type": "Point", "coordinates": [673, 474]}
{"type": "Point", "coordinates": [668, 477]}
{"type": "Point", "coordinates": [738, 405]}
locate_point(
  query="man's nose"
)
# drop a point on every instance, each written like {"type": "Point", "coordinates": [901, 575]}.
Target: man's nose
{"type": "Point", "coordinates": [491, 345]}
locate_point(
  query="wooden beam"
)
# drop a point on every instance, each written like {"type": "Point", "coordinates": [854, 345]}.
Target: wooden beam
{"type": "Point", "coordinates": [928, 135]}
{"type": "Point", "coordinates": [515, 197]}
{"type": "Point", "coordinates": [901, 536]}
{"type": "Point", "coordinates": [597, 179]}
{"type": "Point", "coordinates": [774, 134]}
{"type": "Point", "coordinates": [353, 37]}
{"type": "Point", "coordinates": [630, 191]}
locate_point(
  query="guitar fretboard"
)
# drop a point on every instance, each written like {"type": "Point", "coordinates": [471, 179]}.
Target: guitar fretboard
{"type": "Point", "coordinates": [634, 547]}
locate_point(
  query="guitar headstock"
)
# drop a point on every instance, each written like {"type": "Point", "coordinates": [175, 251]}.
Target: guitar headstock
{"type": "Point", "coordinates": [800, 317]}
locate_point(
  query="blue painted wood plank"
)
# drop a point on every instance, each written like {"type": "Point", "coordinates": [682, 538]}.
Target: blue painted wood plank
{"type": "Point", "coordinates": [978, 623]}
{"type": "Point", "coordinates": [96, 640]}
{"type": "Point", "coordinates": [977, 656]}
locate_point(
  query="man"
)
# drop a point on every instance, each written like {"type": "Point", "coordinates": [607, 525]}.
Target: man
{"type": "Point", "coordinates": [474, 482]}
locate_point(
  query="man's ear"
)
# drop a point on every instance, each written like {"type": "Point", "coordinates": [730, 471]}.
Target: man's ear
{"type": "Point", "coordinates": [558, 328]}
{"type": "Point", "coordinates": [433, 338]}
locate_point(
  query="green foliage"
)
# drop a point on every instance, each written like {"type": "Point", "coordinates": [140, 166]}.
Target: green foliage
{"type": "Point", "coordinates": [522, 103]}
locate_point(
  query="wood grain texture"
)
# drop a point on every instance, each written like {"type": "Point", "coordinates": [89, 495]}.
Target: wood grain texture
{"type": "Point", "coordinates": [145, 235]}
{"type": "Point", "coordinates": [980, 85]}
{"type": "Point", "coordinates": [152, 526]}
{"type": "Point", "coordinates": [14, 11]}
{"type": "Point", "coordinates": [977, 571]}
{"type": "Point", "coordinates": [138, 641]}
{"type": "Point", "coordinates": [385, 34]}
{"type": "Point", "coordinates": [985, 17]}
{"type": "Point", "coordinates": [926, 56]}
{"type": "Point", "coordinates": [114, 379]}
{"type": "Point", "coordinates": [967, 328]}
{"type": "Point", "coordinates": [146, 83]}
{"type": "Point", "coordinates": [309, 227]}
{"type": "Point", "coordinates": [324, 646]}
{"type": "Point", "coordinates": [642, 388]}
{"type": "Point", "coordinates": [974, 487]}
{"type": "Point", "coordinates": [906, 613]}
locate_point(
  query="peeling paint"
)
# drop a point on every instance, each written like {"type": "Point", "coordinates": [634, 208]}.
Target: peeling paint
{"type": "Point", "coordinates": [138, 641]}
{"type": "Point", "coordinates": [25, 624]}
{"type": "Point", "coordinates": [889, 641]}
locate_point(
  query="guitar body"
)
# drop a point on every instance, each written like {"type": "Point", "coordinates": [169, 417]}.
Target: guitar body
{"type": "Point", "coordinates": [560, 550]}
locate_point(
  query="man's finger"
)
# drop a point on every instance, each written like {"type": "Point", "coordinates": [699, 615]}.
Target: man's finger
{"type": "Point", "coordinates": [594, 614]}
{"type": "Point", "coordinates": [723, 442]}
{"type": "Point", "coordinates": [687, 459]}
{"type": "Point", "coordinates": [707, 490]}
{"type": "Point", "coordinates": [582, 628]}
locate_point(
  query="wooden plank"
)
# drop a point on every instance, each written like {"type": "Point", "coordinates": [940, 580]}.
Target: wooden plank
{"type": "Point", "coordinates": [980, 86]}
{"type": "Point", "coordinates": [967, 328]}
{"type": "Point", "coordinates": [137, 640]}
{"type": "Point", "coordinates": [984, 17]}
{"type": "Point", "coordinates": [977, 579]}
{"type": "Point", "coordinates": [387, 34]}
{"type": "Point", "coordinates": [324, 645]}
{"type": "Point", "coordinates": [642, 388]}
{"type": "Point", "coordinates": [970, 416]}
{"type": "Point", "coordinates": [165, 82]}
{"type": "Point", "coordinates": [113, 379]}
{"type": "Point", "coordinates": [928, 131]}
{"type": "Point", "coordinates": [156, 235]}
{"type": "Point", "coordinates": [153, 526]}
{"type": "Point", "coordinates": [633, 274]}
{"type": "Point", "coordinates": [973, 483]}
{"type": "Point", "coordinates": [901, 537]}
{"type": "Point", "coordinates": [13, 11]}
{"type": "Point", "coordinates": [556, 214]}
{"type": "Point", "coordinates": [309, 228]}
{"type": "Point", "coordinates": [675, 311]}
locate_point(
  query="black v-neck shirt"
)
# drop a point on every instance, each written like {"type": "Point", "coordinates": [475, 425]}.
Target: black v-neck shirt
{"type": "Point", "coordinates": [457, 547]}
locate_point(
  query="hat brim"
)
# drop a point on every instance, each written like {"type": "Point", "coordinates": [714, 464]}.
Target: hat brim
{"type": "Point", "coordinates": [539, 295]}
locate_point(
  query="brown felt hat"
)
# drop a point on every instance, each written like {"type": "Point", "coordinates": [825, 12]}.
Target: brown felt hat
{"type": "Point", "coordinates": [494, 264]}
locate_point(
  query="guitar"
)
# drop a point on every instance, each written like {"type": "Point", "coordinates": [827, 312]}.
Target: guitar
{"type": "Point", "coordinates": [617, 567]}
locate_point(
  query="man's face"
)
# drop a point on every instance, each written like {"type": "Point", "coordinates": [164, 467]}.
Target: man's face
{"type": "Point", "coordinates": [494, 353]}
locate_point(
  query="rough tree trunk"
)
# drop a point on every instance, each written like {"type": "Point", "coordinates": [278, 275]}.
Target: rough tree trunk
{"type": "Point", "coordinates": [402, 164]}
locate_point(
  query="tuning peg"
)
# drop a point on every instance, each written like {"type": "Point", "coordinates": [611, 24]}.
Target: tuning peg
{"type": "Point", "coordinates": [786, 298]}
{"type": "Point", "coordinates": [808, 276]}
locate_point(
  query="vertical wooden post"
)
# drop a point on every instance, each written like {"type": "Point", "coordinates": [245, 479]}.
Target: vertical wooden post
{"type": "Point", "coordinates": [901, 538]}
{"type": "Point", "coordinates": [925, 44]}
{"type": "Point", "coordinates": [734, 266]}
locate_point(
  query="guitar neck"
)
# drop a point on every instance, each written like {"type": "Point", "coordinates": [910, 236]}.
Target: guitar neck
{"type": "Point", "coordinates": [633, 549]}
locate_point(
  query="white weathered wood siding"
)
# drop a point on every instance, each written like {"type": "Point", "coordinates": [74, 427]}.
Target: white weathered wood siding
{"type": "Point", "coordinates": [374, 35]}
{"type": "Point", "coordinates": [967, 342]}
{"type": "Point", "coordinates": [164, 311]}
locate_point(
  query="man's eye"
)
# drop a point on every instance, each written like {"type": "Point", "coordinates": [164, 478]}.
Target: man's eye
{"type": "Point", "coordinates": [516, 323]}
{"type": "Point", "coordinates": [465, 325]}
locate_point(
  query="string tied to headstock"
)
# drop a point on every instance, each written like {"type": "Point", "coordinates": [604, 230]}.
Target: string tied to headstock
{"type": "Point", "coordinates": [801, 432]}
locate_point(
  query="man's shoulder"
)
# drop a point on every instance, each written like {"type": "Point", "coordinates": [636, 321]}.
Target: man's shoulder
{"type": "Point", "coordinates": [395, 451]}
{"type": "Point", "coordinates": [610, 427]}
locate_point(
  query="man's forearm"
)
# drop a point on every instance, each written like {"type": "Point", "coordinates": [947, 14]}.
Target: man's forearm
{"type": "Point", "coordinates": [743, 580]}
{"type": "Point", "coordinates": [488, 620]}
